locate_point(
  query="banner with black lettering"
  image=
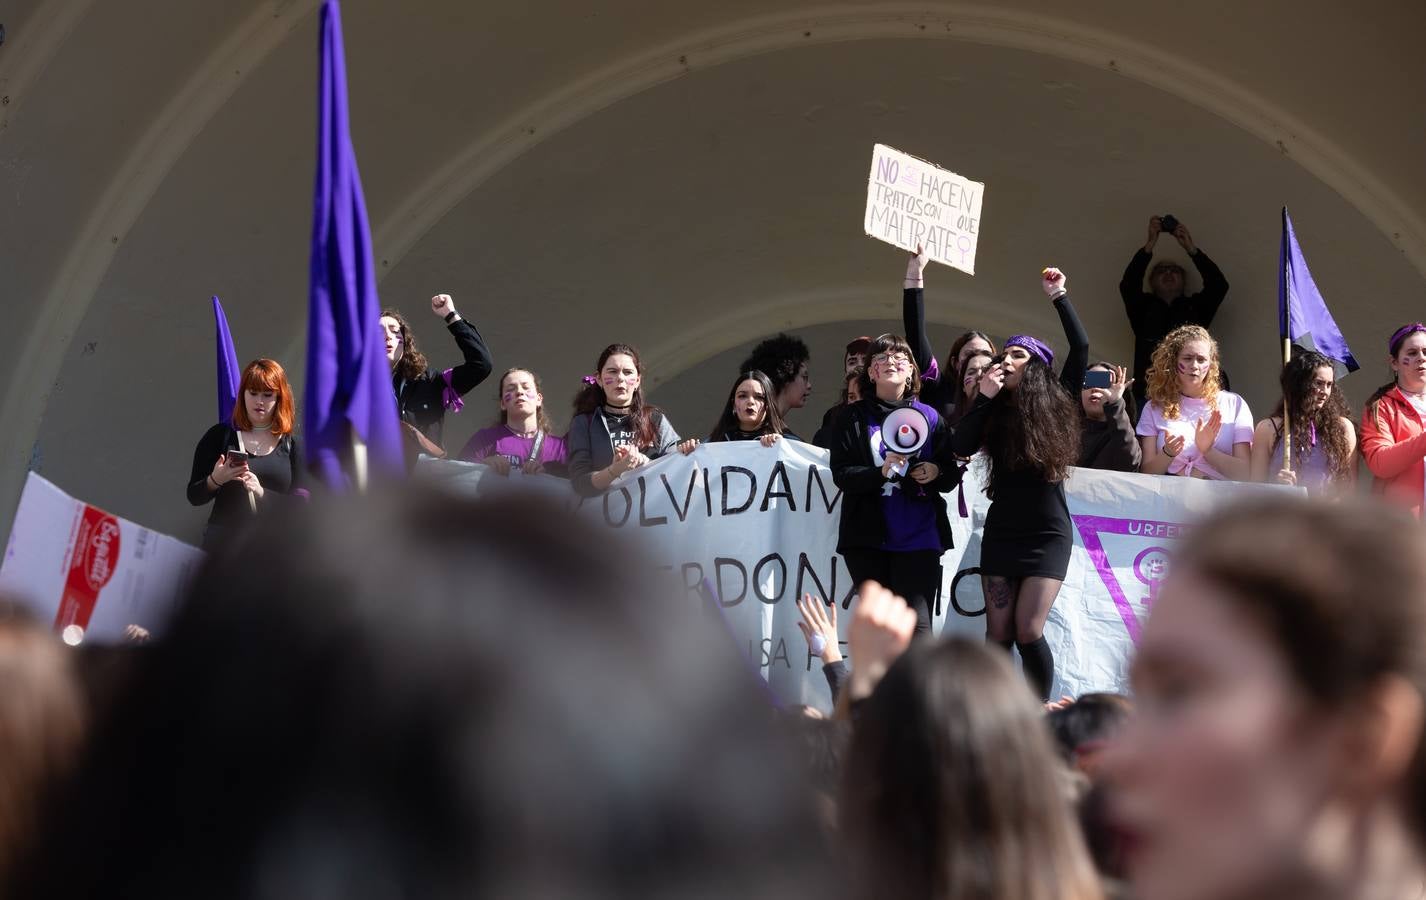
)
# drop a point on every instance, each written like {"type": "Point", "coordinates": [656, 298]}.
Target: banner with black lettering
{"type": "Point", "coordinates": [760, 524]}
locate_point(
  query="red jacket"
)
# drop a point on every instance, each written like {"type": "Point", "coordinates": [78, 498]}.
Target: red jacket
{"type": "Point", "coordinates": [1394, 446]}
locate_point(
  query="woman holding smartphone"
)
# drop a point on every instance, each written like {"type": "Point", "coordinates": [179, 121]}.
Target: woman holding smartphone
{"type": "Point", "coordinates": [1107, 439]}
{"type": "Point", "coordinates": [240, 467]}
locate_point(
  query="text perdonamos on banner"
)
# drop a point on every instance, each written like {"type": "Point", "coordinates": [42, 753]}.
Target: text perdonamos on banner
{"type": "Point", "coordinates": [910, 201]}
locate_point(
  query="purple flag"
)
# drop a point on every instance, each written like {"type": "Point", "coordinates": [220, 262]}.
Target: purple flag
{"type": "Point", "coordinates": [1302, 313]}
{"type": "Point", "coordinates": [348, 389]}
{"type": "Point", "coordinates": [229, 374]}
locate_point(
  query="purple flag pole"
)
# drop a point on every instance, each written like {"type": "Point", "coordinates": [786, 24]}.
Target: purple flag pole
{"type": "Point", "coordinates": [349, 407]}
{"type": "Point", "coordinates": [1303, 317]}
{"type": "Point", "coordinates": [228, 372]}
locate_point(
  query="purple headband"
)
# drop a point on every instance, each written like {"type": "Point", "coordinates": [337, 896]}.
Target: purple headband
{"type": "Point", "coordinates": [1037, 348]}
{"type": "Point", "coordinates": [1402, 334]}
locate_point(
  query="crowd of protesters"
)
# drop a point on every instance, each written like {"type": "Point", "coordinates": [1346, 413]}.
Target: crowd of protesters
{"type": "Point", "coordinates": [1170, 415]}
{"type": "Point", "coordinates": [413, 694]}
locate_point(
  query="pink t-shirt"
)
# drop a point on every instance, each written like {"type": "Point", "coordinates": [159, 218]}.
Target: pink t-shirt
{"type": "Point", "coordinates": [1237, 429]}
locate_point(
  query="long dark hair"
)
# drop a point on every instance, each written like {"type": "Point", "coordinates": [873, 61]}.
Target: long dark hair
{"type": "Point", "coordinates": [964, 400]}
{"type": "Point", "coordinates": [1033, 427]}
{"type": "Point", "coordinates": [1296, 382]}
{"type": "Point", "coordinates": [772, 422]}
{"type": "Point", "coordinates": [951, 364]}
{"type": "Point", "coordinates": [952, 787]}
{"type": "Point", "coordinates": [412, 363]}
{"type": "Point", "coordinates": [641, 415]}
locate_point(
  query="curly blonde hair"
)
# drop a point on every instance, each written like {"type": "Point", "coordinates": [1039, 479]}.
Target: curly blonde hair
{"type": "Point", "coordinates": [1163, 370]}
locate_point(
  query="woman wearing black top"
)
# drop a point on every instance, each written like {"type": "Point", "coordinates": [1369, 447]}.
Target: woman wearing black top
{"type": "Point", "coordinates": [748, 416]}
{"type": "Point", "coordinates": [243, 466]}
{"type": "Point", "coordinates": [1029, 425]}
{"type": "Point", "coordinates": [941, 389]}
{"type": "Point", "coordinates": [894, 527]}
{"type": "Point", "coordinates": [423, 396]}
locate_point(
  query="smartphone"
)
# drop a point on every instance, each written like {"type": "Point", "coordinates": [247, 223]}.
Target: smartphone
{"type": "Point", "coordinates": [1097, 378]}
{"type": "Point", "coordinates": [235, 458]}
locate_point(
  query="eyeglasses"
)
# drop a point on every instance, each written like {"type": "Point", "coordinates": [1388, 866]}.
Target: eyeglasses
{"type": "Point", "coordinates": [894, 360]}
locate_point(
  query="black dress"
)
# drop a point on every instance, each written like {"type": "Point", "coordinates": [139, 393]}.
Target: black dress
{"type": "Point", "coordinates": [1028, 532]}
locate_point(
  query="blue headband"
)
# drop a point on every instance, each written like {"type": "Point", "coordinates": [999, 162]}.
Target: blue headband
{"type": "Point", "coordinates": [1037, 348]}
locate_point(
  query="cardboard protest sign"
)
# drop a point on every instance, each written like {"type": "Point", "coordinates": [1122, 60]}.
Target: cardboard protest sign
{"type": "Point", "coordinates": [89, 572]}
{"type": "Point", "coordinates": [910, 201]}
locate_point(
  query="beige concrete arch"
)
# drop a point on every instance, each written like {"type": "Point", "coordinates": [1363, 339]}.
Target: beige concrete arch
{"type": "Point", "coordinates": [1008, 28]}
{"type": "Point", "coordinates": [145, 166]}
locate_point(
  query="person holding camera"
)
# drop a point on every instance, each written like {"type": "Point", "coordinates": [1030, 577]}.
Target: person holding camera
{"type": "Point", "coordinates": [1153, 314]}
{"type": "Point", "coordinates": [239, 466]}
{"type": "Point", "coordinates": [1107, 439]}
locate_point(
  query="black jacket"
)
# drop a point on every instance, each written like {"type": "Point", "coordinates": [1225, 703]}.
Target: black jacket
{"type": "Point", "coordinates": [1111, 444]}
{"type": "Point", "coordinates": [1152, 319]}
{"type": "Point", "coordinates": [863, 527]}
{"type": "Point", "coordinates": [419, 399]}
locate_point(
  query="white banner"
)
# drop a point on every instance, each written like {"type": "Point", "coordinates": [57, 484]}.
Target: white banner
{"type": "Point", "coordinates": [88, 572]}
{"type": "Point", "coordinates": [910, 201]}
{"type": "Point", "coordinates": [761, 525]}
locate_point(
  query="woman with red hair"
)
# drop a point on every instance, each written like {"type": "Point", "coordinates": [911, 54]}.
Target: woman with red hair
{"type": "Point", "coordinates": [241, 464]}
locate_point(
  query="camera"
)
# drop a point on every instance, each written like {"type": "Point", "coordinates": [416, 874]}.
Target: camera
{"type": "Point", "coordinates": [1168, 223]}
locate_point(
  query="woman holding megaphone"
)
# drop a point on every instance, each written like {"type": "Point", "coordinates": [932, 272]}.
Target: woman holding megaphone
{"type": "Point", "coordinates": [891, 456]}
{"type": "Point", "coordinates": [1028, 423]}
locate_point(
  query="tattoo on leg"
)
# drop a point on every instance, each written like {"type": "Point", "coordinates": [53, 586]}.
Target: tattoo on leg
{"type": "Point", "coordinates": [1000, 594]}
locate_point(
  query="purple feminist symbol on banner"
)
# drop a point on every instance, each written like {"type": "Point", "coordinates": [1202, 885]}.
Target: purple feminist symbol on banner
{"type": "Point", "coordinates": [1151, 567]}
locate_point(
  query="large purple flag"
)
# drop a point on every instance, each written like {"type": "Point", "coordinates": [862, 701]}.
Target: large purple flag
{"type": "Point", "coordinates": [348, 391]}
{"type": "Point", "coordinates": [228, 372]}
{"type": "Point", "coordinates": [1302, 313]}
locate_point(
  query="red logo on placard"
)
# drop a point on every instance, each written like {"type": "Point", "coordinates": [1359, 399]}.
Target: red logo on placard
{"type": "Point", "coordinates": [92, 560]}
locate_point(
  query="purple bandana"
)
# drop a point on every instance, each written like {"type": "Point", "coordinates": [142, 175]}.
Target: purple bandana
{"type": "Point", "coordinates": [1037, 348]}
{"type": "Point", "coordinates": [1402, 334]}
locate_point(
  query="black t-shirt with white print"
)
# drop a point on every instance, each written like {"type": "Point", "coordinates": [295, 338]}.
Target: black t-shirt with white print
{"type": "Point", "coordinates": [621, 431]}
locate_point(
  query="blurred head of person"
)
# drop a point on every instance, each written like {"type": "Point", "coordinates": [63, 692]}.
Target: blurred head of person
{"type": "Point", "coordinates": [42, 725]}
{"type": "Point", "coordinates": [1276, 744]}
{"type": "Point", "coordinates": [952, 788]}
{"type": "Point", "coordinates": [425, 696]}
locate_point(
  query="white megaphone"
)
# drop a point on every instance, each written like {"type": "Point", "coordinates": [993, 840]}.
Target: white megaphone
{"type": "Point", "coordinates": [905, 431]}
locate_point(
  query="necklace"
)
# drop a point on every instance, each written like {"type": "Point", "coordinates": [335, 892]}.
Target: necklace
{"type": "Point", "coordinates": [267, 427]}
{"type": "Point", "coordinates": [618, 410]}
{"type": "Point", "coordinates": [1419, 395]}
{"type": "Point", "coordinates": [521, 434]}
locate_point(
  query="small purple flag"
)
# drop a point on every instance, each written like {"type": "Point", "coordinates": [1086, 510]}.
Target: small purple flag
{"type": "Point", "coordinates": [1302, 313]}
{"type": "Point", "coordinates": [348, 389]}
{"type": "Point", "coordinates": [229, 374]}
